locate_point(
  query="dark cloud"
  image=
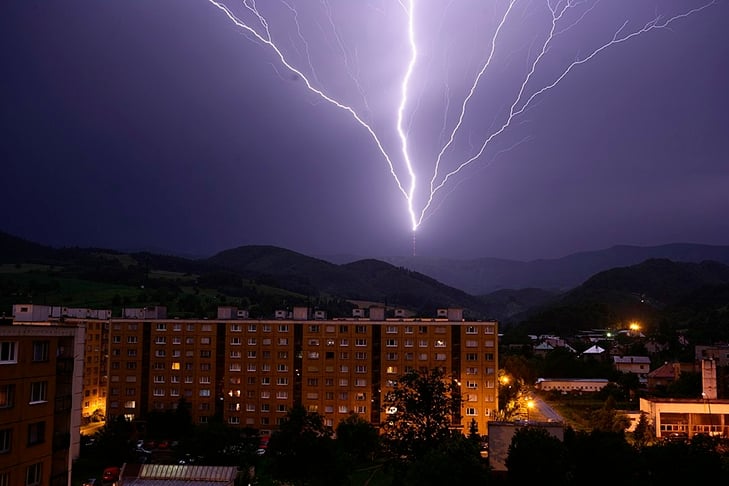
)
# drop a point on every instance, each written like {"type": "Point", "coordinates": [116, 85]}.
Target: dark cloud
{"type": "Point", "coordinates": [163, 125]}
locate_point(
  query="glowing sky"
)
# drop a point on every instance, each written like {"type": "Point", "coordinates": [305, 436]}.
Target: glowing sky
{"type": "Point", "coordinates": [164, 125]}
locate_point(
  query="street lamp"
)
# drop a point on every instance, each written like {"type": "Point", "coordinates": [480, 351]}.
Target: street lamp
{"type": "Point", "coordinates": [530, 405]}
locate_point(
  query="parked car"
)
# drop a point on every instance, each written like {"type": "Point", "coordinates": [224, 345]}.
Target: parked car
{"type": "Point", "coordinates": [111, 474]}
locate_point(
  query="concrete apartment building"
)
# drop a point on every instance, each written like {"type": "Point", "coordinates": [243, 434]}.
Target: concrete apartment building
{"type": "Point", "coordinates": [251, 372]}
{"type": "Point", "coordinates": [95, 323]}
{"type": "Point", "coordinates": [40, 396]}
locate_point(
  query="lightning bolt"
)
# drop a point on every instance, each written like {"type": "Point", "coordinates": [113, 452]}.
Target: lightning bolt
{"type": "Point", "coordinates": [525, 96]}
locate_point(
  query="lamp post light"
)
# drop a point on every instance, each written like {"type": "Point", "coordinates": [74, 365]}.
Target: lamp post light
{"type": "Point", "coordinates": [530, 405]}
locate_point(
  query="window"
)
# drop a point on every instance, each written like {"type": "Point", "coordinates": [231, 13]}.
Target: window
{"type": "Point", "coordinates": [205, 353]}
{"type": "Point", "coordinates": [344, 342]}
{"type": "Point", "coordinates": [33, 474]}
{"type": "Point", "coordinates": [5, 440]}
{"type": "Point", "coordinates": [160, 353]}
{"type": "Point", "coordinates": [237, 327]}
{"type": "Point", "coordinates": [265, 380]}
{"type": "Point", "coordinates": [440, 357]}
{"type": "Point", "coordinates": [40, 350]}
{"type": "Point", "coordinates": [360, 369]}
{"type": "Point", "coordinates": [471, 371]}
{"type": "Point", "coordinates": [440, 343]}
{"type": "Point", "coordinates": [282, 395]}
{"type": "Point", "coordinates": [206, 328]}
{"type": "Point", "coordinates": [314, 328]}
{"type": "Point", "coordinates": [159, 378]}
{"type": "Point", "coordinates": [344, 368]}
{"type": "Point", "coordinates": [160, 340]}
{"type": "Point", "coordinates": [7, 396]}
{"type": "Point", "coordinates": [471, 412]}
{"type": "Point", "coordinates": [471, 330]}
{"type": "Point", "coordinates": [471, 357]}
{"type": "Point", "coordinates": [391, 330]}
{"type": "Point", "coordinates": [159, 392]}
{"type": "Point", "coordinates": [283, 328]}
{"type": "Point", "coordinates": [235, 354]}
{"type": "Point", "coordinates": [282, 380]}
{"type": "Point", "coordinates": [204, 340]}
{"type": "Point", "coordinates": [360, 382]}
{"type": "Point", "coordinates": [176, 340]}
{"type": "Point", "coordinates": [313, 342]}
{"type": "Point", "coordinates": [360, 342]}
{"type": "Point", "coordinates": [390, 343]}
{"type": "Point", "coordinates": [8, 352]}
{"type": "Point", "coordinates": [391, 356]}
{"type": "Point", "coordinates": [131, 339]}
{"type": "Point", "coordinates": [234, 420]}
{"type": "Point", "coordinates": [234, 367]}
{"type": "Point", "coordinates": [251, 328]}
{"type": "Point", "coordinates": [282, 367]}
{"type": "Point", "coordinates": [177, 327]}
{"type": "Point", "coordinates": [488, 356]}
{"type": "Point", "coordinates": [391, 370]}
{"type": "Point", "coordinates": [283, 341]}
{"type": "Point", "coordinates": [252, 341]}
{"type": "Point", "coordinates": [205, 392]}
{"type": "Point", "coordinates": [313, 355]}
{"type": "Point", "coordinates": [36, 433]}
{"type": "Point", "coordinates": [471, 343]}
{"type": "Point", "coordinates": [360, 329]}
{"type": "Point", "coordinates": [472, 385]}
{"type": "Point", "coordinates": [161, 326]}
{"type": "Point", "coordinates": [38, 391]}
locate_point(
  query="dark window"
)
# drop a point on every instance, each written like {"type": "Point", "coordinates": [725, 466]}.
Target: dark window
{"type": "Point", "coordinates": [36, 433]}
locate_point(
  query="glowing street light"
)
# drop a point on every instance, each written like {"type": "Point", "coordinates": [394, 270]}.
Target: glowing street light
{"type": "Point", "coordinates": [530, 405]}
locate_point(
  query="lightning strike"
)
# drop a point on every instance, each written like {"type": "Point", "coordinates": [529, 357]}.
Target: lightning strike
{"type": "Point", "coordinates": [524, 98]}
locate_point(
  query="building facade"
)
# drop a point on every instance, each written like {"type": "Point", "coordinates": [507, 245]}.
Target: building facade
{"type": "Point", "coordinates": [250, 372]}
{"type": "Point", "coordinates": [40, 396]}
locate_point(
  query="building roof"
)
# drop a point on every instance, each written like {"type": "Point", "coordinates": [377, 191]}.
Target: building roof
{"type": "Point", "coordinates": [631, 360]}
{"type": "Point", "coordinates": [594, 350]}
{"type": "Point", "coordinates": [178, 475]}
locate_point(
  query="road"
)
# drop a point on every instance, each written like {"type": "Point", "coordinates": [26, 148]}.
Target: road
{"type": "Point", "coordinates": [545, 412]}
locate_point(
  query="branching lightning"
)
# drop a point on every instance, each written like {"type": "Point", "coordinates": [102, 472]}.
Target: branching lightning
{"type": "Point", "coordinates": [564, 16]}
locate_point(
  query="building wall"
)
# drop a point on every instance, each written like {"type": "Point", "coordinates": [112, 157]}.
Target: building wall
{"type": "Point", "coordinates": [687, 417]}
{"type": "Point", "coordinates": [39, 384]}
{"type": "Point", "coordinates": [570, 385]}
{"type": "Point", "coordinates": [252, 372]}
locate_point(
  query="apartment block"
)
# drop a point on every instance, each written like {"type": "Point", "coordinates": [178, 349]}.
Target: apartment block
{"type": "Point", "coordinates": [251, 372]}
{"type": "Point", "coordinates": [40, 396]}
{"type": "Point", "coordinates": [95, 322]}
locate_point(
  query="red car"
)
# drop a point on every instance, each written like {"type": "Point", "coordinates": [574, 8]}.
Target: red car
{"type": "Point", "coordinates": [111, 474]}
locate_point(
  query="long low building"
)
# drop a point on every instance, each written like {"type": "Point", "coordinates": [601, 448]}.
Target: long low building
{"type": "Point", "coordinates": [684, 418]}
{"type": "Point", "coordinates": [571, 385]}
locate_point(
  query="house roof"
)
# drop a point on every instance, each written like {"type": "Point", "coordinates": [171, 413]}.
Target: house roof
{"type": "Point", "coordinates": [665, 371]}
{"type": "Point", "coordinates": [179, 475]}
{"type": "Point", "coordinates": [594, 350]}
{"type": "Point", "coordinates": [631, 360]}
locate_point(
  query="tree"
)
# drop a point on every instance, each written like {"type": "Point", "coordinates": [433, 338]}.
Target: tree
{"type": "Point", "coordinates": [643, 433]}
{"type": "Point", "coordinates": [456, 460]}
{"type": "Point", "coordinates": [420, 410]}
{"type": "Point", "coordinates": [357, 438]}
{"type": "Point", "coordinates": [302, 451]}
{"type": "Point", "coordinates": [536, 456]}
{"type": "Point", "coordinates": [607, 419]}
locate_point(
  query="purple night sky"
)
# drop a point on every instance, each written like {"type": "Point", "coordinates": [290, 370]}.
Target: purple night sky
{"type": "Point", "coordinates": [160, 124]}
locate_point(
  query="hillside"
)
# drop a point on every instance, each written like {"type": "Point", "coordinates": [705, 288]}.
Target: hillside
{"type": "Point", "coordinates": [259, 278]}
{"type": "Point", "coordinates": [661, 294]}
{"type": "Point", "coordinates": [485, 275]}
